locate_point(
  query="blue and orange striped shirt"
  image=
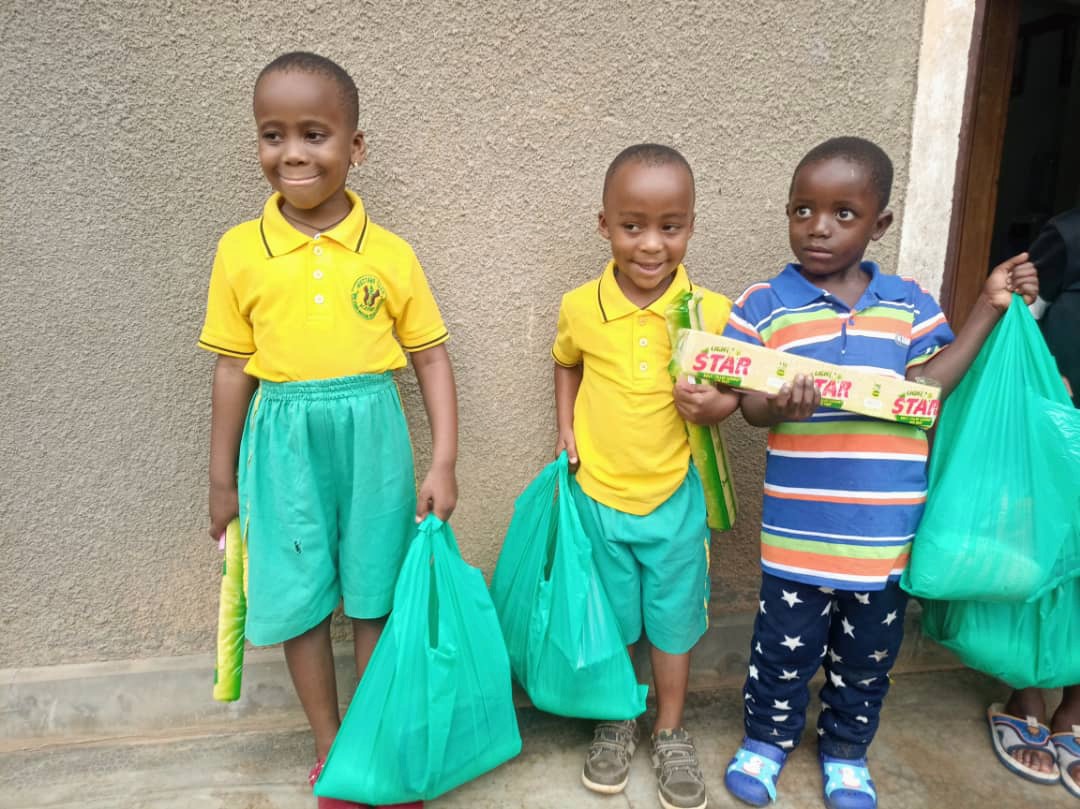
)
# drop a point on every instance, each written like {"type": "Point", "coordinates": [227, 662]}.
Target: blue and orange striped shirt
{"type": "Point", "coordinates": [843, 492]}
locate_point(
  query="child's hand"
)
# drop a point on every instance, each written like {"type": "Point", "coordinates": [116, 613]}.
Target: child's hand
{"type": "Point", "coordinates": [438, 493]}
{"type": "Point", "coordinates": [795, 401]}
{"type": "Point", "coordinates": [224, 505]}
{"type": "Point", "coordinates": [704, 404]}
{"type": "Point", "coordinates": [1016, 274]}
{"type": "Point", "coordinates": [566, 442]}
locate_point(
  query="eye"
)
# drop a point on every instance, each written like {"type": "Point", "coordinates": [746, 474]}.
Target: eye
{"type": "Point", "coordinates": [315, 137]}
{"type": "Point", "coordinates": [672, 228]}
{"type": "Point", "coordinates": [845, 214]}
{"type": "Point", "coordinates": [801, 211]}
{"type": "Point", "coordinates": [631, 227]}
{"type": "Point", "coordinates": [270, 136]}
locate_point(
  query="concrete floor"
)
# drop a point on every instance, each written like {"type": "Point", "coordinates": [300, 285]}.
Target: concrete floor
{"type": "Point", "coordinates": [933, 750]}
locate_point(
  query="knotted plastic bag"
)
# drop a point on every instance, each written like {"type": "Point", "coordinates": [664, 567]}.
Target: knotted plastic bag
{"type": "Point", "coordinates": [1002, 519]}
{"type": "Point", "coordinates": [434, 708]}
{"type": "Point", "coordinates": [1028, 645]}
{"type": "Point", "coordinates": [561, 634]}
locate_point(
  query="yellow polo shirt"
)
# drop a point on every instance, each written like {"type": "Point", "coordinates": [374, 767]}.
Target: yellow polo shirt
{"type": "Point", "coordinates": [630, 439]}
{"type": "Point", "coordinates": [317, 307]}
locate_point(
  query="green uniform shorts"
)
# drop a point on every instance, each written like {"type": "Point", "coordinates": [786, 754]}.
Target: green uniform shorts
{"type": "Point", "coordinates": [327, 501]}
{"type": "Point", "coordinates": [655, 567]}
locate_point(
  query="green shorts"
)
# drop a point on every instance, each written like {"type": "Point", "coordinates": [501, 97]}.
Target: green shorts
{"type": "Point", "coordinates": [327, 501]}
{"type": "Point", "coordinates": [654, 567]}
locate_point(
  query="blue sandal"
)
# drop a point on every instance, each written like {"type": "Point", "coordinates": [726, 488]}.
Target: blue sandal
{"type": "Point", "coordinates": [751, 775]}
{"type": "Point", "coordinates": [847, 783]}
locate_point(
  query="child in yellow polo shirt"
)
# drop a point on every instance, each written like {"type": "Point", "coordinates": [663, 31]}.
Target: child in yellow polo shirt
{"type": "Point", "coordinates": [308, 442]}
{"type": "Point", "coordinates": [622, 425]}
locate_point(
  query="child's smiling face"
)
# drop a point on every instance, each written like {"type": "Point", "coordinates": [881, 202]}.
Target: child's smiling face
{"type": "Point", "coordinates": [648, 216]}
{"type": "Point", "coordinates": [306, 142]}
{"type": "Point", "coordinates": [833, 213]}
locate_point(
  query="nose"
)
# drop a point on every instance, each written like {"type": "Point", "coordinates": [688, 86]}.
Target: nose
{"type": "Point", "coordinates": [820, 225]}
{"type": "Point", "coordinates": [294, 151]}
{"type": "Point", "coordinates": [651, 241]}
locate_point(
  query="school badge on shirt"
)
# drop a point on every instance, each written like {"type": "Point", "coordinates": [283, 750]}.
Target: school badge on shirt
{"type": "Point", "coordinates": [368, 295]}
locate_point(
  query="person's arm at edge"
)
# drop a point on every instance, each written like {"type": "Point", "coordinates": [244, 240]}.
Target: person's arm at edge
{"type": "Point", "coordinates": [567, 383]}
{"type": "Point", "coordinates": [230, 395]}
{"type": "Point", "coordinates": [949, 365]}
{"type": "Point", "coordinates": [439, 491]}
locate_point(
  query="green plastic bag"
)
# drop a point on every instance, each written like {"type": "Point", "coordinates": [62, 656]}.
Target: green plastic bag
{"type": "Point", "coordinates": [434, 708]}
{"type": "Point", "coordinates": [561, 634]}
{"type": "Point", "coordinates": [1031, 645]}
{"type": "Point", "coordinates": [1002, 519]}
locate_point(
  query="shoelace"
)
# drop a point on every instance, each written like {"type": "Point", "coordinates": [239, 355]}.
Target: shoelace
{"type": "Point", "coordinates": [613, 737]}
{"type": "Point", "coordinates": [676, 755]}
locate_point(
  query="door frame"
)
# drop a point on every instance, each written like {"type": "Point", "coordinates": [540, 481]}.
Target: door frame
{"type": "Point", "coordinates": [982, 135]}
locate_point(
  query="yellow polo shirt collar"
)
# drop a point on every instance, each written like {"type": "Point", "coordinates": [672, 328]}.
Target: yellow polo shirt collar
{"type": "Point", "coordinates": [280, 238]}
{"type": "Point", "coordinates": [614, 304]}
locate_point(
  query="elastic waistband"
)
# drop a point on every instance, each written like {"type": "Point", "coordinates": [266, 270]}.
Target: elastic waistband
{"type": "Point", "coordinates": [320, 389]}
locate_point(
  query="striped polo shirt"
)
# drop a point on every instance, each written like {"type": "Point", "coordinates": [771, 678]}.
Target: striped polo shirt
{"type": "Point", "coordinates": [843, 492]}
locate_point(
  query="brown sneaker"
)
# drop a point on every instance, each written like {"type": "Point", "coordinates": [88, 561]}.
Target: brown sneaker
{"type": "Point", "coordinates": [681, 784]}
{"type": "Point", "coordinates": [607, 765]}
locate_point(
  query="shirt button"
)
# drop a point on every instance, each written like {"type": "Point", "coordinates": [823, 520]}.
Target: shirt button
{"type": "Point", "coordinates": [318, 251]}
{"type": "Point", "coordinates": [317, 236]}
{"type": "Point", "coordinates": [644, 366]}
{"type": "Point", "coordinates": [317, 274]}
{"type": "Point", "coordinates": [319, 299]}
{"type": "Point", "coordinates": [644, 341]}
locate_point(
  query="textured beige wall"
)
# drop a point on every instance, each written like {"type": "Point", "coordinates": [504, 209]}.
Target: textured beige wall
{"type": "Point", "coordinates": [127, 147]}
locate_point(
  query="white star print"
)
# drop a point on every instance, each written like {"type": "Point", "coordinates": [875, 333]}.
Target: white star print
{"type": "Point", "coordinates": [787, 744]}
{"type": "Point", "coordinates": [775, 732]}
{"type": "Point", "coordinates": [867, 681]}
{"type": "Point", "coordinates": [748, 711]}
{"type": "Point", "coordinates": [781, 705]}
{"type": "Point", "coordinates": [849, 628]}
{"type": "Point", "coordinates": [825, 706]}
{"type": "Point", "coordinates": [761, 606]}
{"type": "Point", "coordinates": [827, 608]}
{"type": "Point", "coordinates": [824, 649]}
{"type": "Point", "coordinates": [792, 643]}
{"type": "Point", "coordinates": [753, 672]}
{"type": "Point", "coordinates": [834, 657]}
{"type": "Point", "coordinates": [862, 719]}
{"type": "Point", "coordinates": [827, 590]}
{"type": "Point", "coordinates": [889, 618]}
{"type": "Point", "coordinates": [837, 680]}
{"type": "Point", "coordinates": [879, 656]}
{"type": "Point", "coordinates": [780, 717]}
{"type": "Point", "coordinates": [792, 598]}
{"type": "Point", "coordinates": [821, 731]}
{"type": "Point", "coordinates": [788, 675]}
{"type": "Point", "coordinates": [758, 649]}
{"type": "Point", "coordinates": [862, 598]}
{"type": "Point", "coordinates": [747, 696]}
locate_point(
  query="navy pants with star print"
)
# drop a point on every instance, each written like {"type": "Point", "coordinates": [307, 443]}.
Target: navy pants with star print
{"type": "Point", "coordinates": [799, 627]}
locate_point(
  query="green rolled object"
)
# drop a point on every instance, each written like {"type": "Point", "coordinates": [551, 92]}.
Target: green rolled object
{"type": "Point", "coordinates": [707, 445]}
{"type": "Point", "coordinates": [232, 613]}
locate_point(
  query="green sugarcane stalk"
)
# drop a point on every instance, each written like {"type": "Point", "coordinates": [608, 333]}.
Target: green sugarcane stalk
{"type": "Point", "coordinates": [707, 445]}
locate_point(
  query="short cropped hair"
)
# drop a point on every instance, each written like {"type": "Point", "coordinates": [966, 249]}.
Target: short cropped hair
{"type": "Point", "coordinates": [860, 152]}
{"type": "Point", "coordinates": [306, 62]}
{"type": "Point", "coordinates": [649, 154]}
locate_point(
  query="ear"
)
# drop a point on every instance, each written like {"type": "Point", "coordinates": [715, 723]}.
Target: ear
{"type": "Point", "coordinates": [693, 219]}
{"type": "Point", "coordinates": [359, 148]}
{"type": "Point", "coordinates": [601, 225]}
{"type": "Point", "coordinates": [882, 224]}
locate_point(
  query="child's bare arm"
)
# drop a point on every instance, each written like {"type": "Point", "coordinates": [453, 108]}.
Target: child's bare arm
{"type": "Point", "coordinates": [567, 382]}
{"type": "Point", "coordinates": [704, 404]}
{"type": "Point", "coordinates": [795, 401]}
{"type": "Point", "coordinates": [438, 492]}
{"type": "Point", "coordinates": [230, 396]}
{"type": "Point", "coordinates": [948, 367]}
